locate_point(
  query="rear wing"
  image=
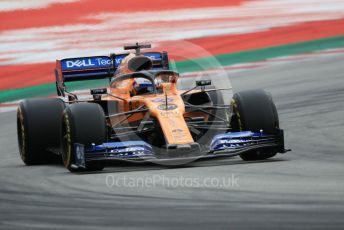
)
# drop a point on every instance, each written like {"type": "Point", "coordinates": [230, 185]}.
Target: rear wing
{"type": "Point", "coordinates": [98, 67]}
{"type": "Point", "coordinates": [160, 60]}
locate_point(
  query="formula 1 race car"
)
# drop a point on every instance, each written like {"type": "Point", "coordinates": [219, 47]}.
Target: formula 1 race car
{"type": "Point", "coordinates": [143, 116]}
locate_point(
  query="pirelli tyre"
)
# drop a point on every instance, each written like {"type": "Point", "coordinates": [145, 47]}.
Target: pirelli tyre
{"type": "Point", "coordinates": [39, 130]}
{"type": "Point", "coordinates": [254, 110]}
{"type": "Point", "coordinates": [83, 123]}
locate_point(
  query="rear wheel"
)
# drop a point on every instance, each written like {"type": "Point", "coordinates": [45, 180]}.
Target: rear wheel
{"type": "Point", "coordinates": [255, 111]}
{"type": "Point", "coordinates": [39, 130]}
{"type": "Point", "coordinates": [83, 123]}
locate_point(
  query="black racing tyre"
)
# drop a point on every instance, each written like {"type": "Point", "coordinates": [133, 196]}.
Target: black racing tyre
{"type": "Point", "coordinates": [82, 123]}
{"type": "Point", "coordinates": [254, 110]}
{"type": "Point", "coordinates": [39, 130]}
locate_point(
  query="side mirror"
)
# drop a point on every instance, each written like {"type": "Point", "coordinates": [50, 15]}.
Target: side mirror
{"type": "Point", "coordinates": [203, 82]}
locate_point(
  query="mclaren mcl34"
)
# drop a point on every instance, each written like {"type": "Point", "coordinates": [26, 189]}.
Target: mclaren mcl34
{"type": "Point", "coordinates": [143, 115]}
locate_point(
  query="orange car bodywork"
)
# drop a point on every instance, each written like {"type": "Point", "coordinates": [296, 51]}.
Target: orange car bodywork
{"type": "Point", "coordinates": [171, 115]}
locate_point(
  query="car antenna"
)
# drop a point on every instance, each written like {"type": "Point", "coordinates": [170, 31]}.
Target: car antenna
{"type": "Point", "coordinates": [137, 47]}
{"type": "Point", "coordinates": [166, 102]}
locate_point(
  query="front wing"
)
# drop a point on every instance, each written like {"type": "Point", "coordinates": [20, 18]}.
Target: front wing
{"type": "Point", "coordinates": [223, 145]}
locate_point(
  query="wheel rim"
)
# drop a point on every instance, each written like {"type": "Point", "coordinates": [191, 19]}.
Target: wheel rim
{"type": "Point", "coordinates": [66, 142]}
{"type": "Point", "coordinates": [21, 134]}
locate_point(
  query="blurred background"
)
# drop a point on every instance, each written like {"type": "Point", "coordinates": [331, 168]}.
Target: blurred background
{"type": "Point", "coordinates": [294, 49]}
{"type": "Point", "coordinates": [34, 33]}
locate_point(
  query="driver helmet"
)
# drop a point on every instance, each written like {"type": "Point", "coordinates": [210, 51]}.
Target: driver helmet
{"type": "Point", "coordinates": [142, 86]}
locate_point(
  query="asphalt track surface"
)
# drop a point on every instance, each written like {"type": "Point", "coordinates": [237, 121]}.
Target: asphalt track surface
{"type": "Point", "coordinates": [303, 189]}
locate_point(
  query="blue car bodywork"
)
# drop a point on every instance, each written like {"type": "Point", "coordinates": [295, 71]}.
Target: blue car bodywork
{"type": "Point", "coordinates": [222, 145]}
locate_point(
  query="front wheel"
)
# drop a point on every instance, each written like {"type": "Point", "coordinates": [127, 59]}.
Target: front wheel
{"type": "Point", "coordinates": [255, 111]}
{"type": "Point", "coordinates": [83, 123]}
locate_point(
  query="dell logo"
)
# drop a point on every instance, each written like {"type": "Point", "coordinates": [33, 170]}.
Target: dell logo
{"type": "Point", "coordinates": [80, 63]}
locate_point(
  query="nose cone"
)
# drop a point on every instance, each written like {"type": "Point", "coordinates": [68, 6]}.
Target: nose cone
{"type": "Point", "coordinates": [140, 63]}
